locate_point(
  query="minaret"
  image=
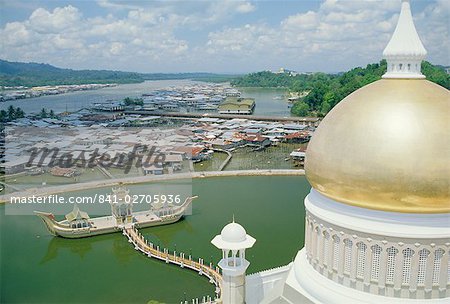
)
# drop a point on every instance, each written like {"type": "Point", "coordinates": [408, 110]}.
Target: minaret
{"type": "Point", "coordinates": [233, 240]}
{"type": "Point", "coordinates": [405, 51]}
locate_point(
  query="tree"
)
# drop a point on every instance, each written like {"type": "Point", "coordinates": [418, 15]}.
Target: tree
{"type": "Point", "coordinates": [300, 108]}
{"type": "Point", "coordinates": [3, 116]}
{"type": "Point", "coordinates": [128, 101]}
{"type": "Point", "coordinates": [19, 113]}
{"type": "Point", "coordinates": [325, 108]}
{"type": "Point", "coordinates": [43, 113]}
{"type": "Point", "coordinates": [11, 113]}
{"type": "Point", "coordinates": [52, 114]}
{"type": "Point", "coordinates": [436, 74]}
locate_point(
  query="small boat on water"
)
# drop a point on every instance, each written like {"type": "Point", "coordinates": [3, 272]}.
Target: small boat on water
{"type": "Point", "coordinates": [78, 224]}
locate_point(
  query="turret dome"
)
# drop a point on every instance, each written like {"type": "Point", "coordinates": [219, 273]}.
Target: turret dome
{"type": "Point", "coordinates": [233, 233]}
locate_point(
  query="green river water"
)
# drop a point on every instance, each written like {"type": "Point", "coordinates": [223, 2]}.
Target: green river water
{"type": "Point", "coordinates": [39, 268]}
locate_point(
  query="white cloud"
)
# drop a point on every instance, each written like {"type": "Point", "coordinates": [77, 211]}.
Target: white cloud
{"type": "Point", "coordinates": [337, 36]}
{"type": "Point", "coordinates": [246, 7]}
{"type": "Point", "coordinates": [64, 36]}
{"type": "Point", "coordinates": [60, 19]}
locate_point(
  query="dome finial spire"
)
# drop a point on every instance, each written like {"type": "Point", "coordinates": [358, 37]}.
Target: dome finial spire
{"type": "Point", "coordinates": [405, 51]}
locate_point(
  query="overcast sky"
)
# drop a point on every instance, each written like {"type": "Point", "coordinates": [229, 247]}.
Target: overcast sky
{"type": "Point", "coordinates": [213, 36]}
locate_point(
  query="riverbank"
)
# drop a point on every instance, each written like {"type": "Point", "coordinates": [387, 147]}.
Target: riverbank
{"type": "Point", "coordinates": [145, 179]}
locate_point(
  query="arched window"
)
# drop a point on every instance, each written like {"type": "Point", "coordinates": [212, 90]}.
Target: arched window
{"type": "Point", "coordinates": [318, 236]}
{"type": "Point", "coordinates": [310, 237]}
{"type": "Point", "coordinates": [336, 241]}
{"type": "Point", "coordinates": [423, 257]}
{"type": "Point", "coordinates": [390, 271]}
{"type": "Point", "coordinates": [448, 269]}
{"type": "Point", "coordinates": [326, 249]}
{"type": "Point", "coordinates": [376, 255]}
{"type": "Point", "coordinates": [400, 66]}
{"type": "Point", "coordinates": [407, 257]}
{"type": "Point", "coordinates": [438, 254]}
{"type": "Point", "coordinates": [347, 255]}
{"type": "Point", "coordinates": [361, 259]}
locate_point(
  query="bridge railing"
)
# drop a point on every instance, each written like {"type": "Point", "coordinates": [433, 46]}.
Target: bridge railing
{"type": "Point", "coordinates": [212, 273]}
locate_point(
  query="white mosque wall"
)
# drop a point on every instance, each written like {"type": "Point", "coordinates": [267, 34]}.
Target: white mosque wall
{"type": "Point", "coordinates": [259, 285]}
{"type": "Point", "coordinates": [382, 253]}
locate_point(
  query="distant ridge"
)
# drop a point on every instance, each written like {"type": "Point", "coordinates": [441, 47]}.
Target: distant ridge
{"type": "Point", "coordinates": [39, 74]}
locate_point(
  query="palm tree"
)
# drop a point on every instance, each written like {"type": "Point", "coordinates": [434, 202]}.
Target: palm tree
{"type": "Point", "coordinates": [3, 116]}
{"type": "Point", "coordinates": [11, 113]}
{"type": "Point", "coordinates": [20, 113]}
{"type": "Point", "coordinates": [43, 113]}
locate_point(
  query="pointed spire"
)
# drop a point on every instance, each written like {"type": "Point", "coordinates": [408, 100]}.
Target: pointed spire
{"type": "Point", "coordinates": [405, 51]}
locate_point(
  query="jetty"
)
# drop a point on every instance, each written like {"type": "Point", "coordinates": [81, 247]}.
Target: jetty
{"type": "Point", "coordinates": [310, 121]}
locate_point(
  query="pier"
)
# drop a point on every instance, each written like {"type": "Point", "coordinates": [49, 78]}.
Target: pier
{"type": "Point", "coordinates": [163, 254]}
{"type": "Point", "coordinates": [227, 160]}
{"type": "Point", "coordinates": [310, 121]}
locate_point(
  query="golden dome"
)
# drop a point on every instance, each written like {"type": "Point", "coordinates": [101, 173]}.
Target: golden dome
{"type": "Point", "coordinates": [386, 147]}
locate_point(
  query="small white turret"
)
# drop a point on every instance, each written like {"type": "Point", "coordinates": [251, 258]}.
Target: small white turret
{"type": "Point", "coordinates": [233, 240]}
{"type": "Point", "coordinates": [405, 51]}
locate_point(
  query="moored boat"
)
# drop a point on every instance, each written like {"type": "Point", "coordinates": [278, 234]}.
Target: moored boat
{"type": "Point", "coordinates": [78, 224]}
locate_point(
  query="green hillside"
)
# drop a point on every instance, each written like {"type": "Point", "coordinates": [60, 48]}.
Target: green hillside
{"type": "Point", "coordinates": [39, 74]}
{"type": "Point", "coordinates": [326, 90]}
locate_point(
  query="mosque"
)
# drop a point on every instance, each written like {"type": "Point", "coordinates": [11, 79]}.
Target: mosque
{"type": "Point", "coordinates": [377, 216]}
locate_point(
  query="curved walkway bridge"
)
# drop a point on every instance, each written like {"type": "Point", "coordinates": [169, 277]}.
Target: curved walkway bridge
{"type": "Point", "coordinates": [147, 248]}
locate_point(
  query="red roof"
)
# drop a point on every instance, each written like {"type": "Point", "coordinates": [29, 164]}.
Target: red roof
{"type": "Point", "coordinates": [297, 135]}
{"type": "Point", "coordinates": [257, 137]}
{"type": "Point", "coordinates": [193, 151]}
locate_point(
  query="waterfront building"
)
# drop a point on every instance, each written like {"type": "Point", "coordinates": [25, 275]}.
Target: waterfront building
{"type": "Point", "coordinates": [109, 106]}
{"type": "Point", "coordinates": [377, 219]}
{"type": "Point", "coordinates": [237, 105]}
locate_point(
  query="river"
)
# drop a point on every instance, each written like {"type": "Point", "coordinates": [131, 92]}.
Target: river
{"type": "Point", "coordinates": [106, 269]}
{"type": "Point", "coordinates": [267, 100]}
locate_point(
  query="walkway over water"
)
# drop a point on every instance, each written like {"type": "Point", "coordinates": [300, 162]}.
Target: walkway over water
{"type": "Point", "coordinates": [209, 271]}
{"type": "Point", "coordinates": [310, 121]}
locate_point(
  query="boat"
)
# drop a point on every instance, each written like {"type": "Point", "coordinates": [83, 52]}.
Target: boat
{"type": "Point", "coordinates": [78, 224]}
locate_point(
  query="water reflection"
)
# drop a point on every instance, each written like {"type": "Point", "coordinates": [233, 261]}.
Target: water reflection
{"type": "Point", "coordinates": [78, 247]}
{"type": "Point", "coordinates": [120, 247]}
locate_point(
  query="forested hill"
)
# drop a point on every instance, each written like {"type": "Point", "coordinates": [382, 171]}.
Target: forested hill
{"type": "Point", "coordinates": [39, 74]}
{"type": "Point", "coordinates": [327, 90]}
